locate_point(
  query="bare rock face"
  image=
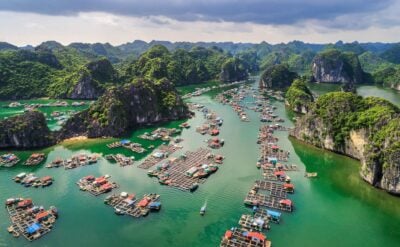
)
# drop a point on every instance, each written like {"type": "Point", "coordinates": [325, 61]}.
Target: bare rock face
{"type": "Point", "coordinates": [86, 88]}
{"type": "Point", "coordinates": [335, 67]}
{"type": "Point", "coordinates": [89, 81]}
{"type": "Point", "coordinates": [28, 130]}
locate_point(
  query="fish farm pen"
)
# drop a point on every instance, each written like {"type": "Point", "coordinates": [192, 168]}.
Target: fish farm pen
{"type": "Point", "coordinates": [127, 204]}
{"type": "Point", "coordinates": [29, 220]}
{"type": "Point", "coordinates": [158, 155]}
{"type": "Point", "coordinates": [96, 186]}
{"type": "Point", "coordinates": [188, 170]}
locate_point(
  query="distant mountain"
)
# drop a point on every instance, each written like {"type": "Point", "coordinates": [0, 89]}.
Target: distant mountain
{"type": "Point", "coordinates": [46, 69]}
{"type": "Point", "coordinates": [7, 46]}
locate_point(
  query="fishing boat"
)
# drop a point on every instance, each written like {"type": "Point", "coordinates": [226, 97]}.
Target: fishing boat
{"type": "Point", "coordinates": [311, 175]}
{"type": "Point", "coordinates": [19, 177]}
{"type": "Point", "coordinates": [203, 209]}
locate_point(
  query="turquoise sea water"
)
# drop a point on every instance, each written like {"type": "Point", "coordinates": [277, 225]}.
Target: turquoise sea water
{"type": "Point", "coordinates": [335, 209]}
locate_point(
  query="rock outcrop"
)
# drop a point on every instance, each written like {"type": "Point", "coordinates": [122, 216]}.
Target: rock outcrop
{"type": "Point", "coordinates": [127, 107]}
{"type": "Point", "coordinates": [28, 130]}
{"type": "Point", "coordinates": [366, 129]}
{"type": "Point", "coordinates": [277, 77]}
{"type": "Point", "coordinates": [90, 81]}
{"type": "Point", "coordinates": [298, 97]}
{"type": "Point", "coordinates": [333, 66]}
{"type": "Point", "coordinates": [233, 70]}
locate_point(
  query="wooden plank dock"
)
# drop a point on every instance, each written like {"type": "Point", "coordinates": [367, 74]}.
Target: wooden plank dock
{"type": "Point", "coordinates": [159, 155]}
{"type": "Point", "coordinates": [125, 204]}
{"type": "Point", "coordinates": [26, 216]}
{"type": "Point", "coordinates": [254, 223]}
{"type": "Point", "coordinates": [121, 159]}
{"type": "Point", "coordinates": [241, 238]}
{"type": "Point", "coordinates": [96, 186]}
{"type": "Point", "coordinates": [187, 171]}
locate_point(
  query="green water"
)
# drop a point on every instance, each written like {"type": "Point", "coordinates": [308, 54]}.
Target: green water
{"type": "Point", "coordinates": [6, 112]}
{"type": "Point", "coordinates": [335, 209]}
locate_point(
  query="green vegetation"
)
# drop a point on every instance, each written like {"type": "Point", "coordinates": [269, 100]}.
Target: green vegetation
{"type": "Point", "coordinates": [185, 67]}
{"type": "Point", "coordinates": [53, 70]}
{"type": "Point", "coordinates": [299, 97]}
{"type": "Point", "coordinates": [342, 112]}
{"type": "Point", "coordinates": [127, 106]}
{"type": "Point", "coordinates": [277, 77]}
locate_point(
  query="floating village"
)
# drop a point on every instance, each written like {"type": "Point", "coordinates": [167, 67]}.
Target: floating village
{"type": "Point", "coordinates": [267, 200]}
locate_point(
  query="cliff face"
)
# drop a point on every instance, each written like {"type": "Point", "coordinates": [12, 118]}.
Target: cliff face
{"type": "Point", "coordinates": [86, 87]}
{"type": "Point", "coordinates": [126, 107]}
{"type": "Point", "coordinates": [28, 130]}
{"type": "Point", "coordinates": [89, 82]}
{"type": "Point", "coordinates": [277, 77]}
{"type": "Point", "coordinates": [298, 97]}
{"type": "Point", "coordinates": [336, 67]}
{"type": "Point", "coordinates": [365, 129]}
{"type": "Point", "coordinates": [233, 70]}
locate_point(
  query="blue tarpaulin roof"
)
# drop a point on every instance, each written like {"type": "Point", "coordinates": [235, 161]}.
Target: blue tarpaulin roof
{"type": "Point", "coordinates": [33, 228]}
{"type": "Point", "coordinates": [274, 213]}
{"type": "Point", "coordinates": [155, 204]}
{"type": "Point", "coordinates": [125, 141]}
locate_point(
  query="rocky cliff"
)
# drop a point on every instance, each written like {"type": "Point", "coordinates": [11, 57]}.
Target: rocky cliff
{"type": "Point", "coordinates": [233, 70]}
{"type": "Point", "coordinates": [277, 77]}
{"type": "Point", "coordinates": [367, 129]}
{"type": "Point", "coordinates": [127, 107]}
{"type": "Point", "coordinates": [87, 82]}
{"type": "Point", "coordinates": [28, 130]}
{"type": "Point", "coordinates": [298, 97]}
{"type": "Point", "coordinates": [333, 66]}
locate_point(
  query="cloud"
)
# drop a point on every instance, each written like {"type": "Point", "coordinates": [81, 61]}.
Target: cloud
{"type": "Point", "coordinates": [334, 13]}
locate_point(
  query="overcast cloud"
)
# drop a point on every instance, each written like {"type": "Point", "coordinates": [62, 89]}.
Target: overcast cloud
{"type": "Point", "coordinates": [235, 20]}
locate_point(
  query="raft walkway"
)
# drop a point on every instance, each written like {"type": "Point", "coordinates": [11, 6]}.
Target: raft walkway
{"type": "Point", "coordinates": [242, 238]}
{"type": "Point", "coordinates": [271, 151]}
{"type": "Point", "coordinates": [121, 159]}
{"type": "Point", "coordinates": [159, 155]}
{"type": "Point", "coordinates": [178, 176]}
{"type": "Point", "coordinates": [22, 221]}
{"type": "Point", "coordinates": [96, 189]}
{"type": "Point", "coordinates": [254, 223]}
{"type": "Point", "coordinates": [130, 206]}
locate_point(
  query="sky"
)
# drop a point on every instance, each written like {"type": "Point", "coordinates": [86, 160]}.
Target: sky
{"type": "Point", "coordinates": [25, 22]}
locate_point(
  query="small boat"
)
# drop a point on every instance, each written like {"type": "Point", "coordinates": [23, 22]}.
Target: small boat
{"type": "Point", "coordinates": [311, 175]}
{"type": "Point", "coordinates": [194, 187]}
{"type": "Point", "coordinates": [119, 211]}
{"type": "Point", "coordinates": [203, 209]}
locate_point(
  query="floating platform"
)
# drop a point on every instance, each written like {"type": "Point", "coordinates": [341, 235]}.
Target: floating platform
{"type": "Point", "coordinates": [243, 238]}
{"type": "Point", "coordinates": [30, 180]}
{"type": "Point", "coordinates": [121, 159]}
{"type": "Point", "coordinates": [75, 162]}
{"type": "Point", "coordinates": [35, 159]}
{"type": "Point", "coordinates": [127, 204]}
{"type": "Point", "coordinates": [187, 171]}
{"type": "Point", "coordinates": [96, 186]}
{"type": "Point", "coordinates": [9, 160]}
{"type": "Point", "coordinates": [158, 155]}
{"type": "Point", "coordinates": [254, 223]}
{"type": "Point", "coordinates": [28, 220]}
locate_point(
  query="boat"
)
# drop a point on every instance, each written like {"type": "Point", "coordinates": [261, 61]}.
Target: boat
{"type": "Point", "coordinates": [203, 209]}
{"type": "Point", "coordinates": [119, 211]}
{"type": "Point", "coordinates": [194, 187]}
{"type": "Point", "coordinates": [19, 177]}
{"type": "Point", "coordinates": [155, 206]}
{"type": "Point", "coordinates": [311, 175]}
